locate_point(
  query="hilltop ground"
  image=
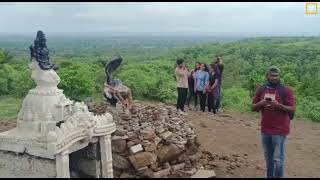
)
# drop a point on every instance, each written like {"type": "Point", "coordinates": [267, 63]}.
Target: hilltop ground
{"type": "Point", "coordinates": [233, 133]}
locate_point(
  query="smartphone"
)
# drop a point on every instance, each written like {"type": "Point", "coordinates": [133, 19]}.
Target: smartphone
{"type": "Point", "coordinates": [268, 99]}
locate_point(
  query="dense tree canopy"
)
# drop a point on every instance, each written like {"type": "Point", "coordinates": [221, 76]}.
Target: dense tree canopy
{"type": "Point", "coordinates": [152, 77]}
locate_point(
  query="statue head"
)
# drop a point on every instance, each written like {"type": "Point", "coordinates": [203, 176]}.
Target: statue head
{"type": "Point", "coordinates": [40, 40]}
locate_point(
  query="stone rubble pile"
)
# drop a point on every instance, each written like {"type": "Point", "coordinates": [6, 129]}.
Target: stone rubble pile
{"type": "Point", "coordinates": [153, 141]}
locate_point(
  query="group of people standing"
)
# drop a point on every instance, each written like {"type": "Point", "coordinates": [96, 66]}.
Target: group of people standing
{"type": "Point", "coordinates": [203, 81]}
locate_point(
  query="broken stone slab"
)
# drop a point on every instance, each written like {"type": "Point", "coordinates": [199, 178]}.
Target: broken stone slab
{"type": "Point", "coordinates": [203, 161]}
{"type": "Point", "coordinates": [162, 173]}
{"type": "Point", "coordinates": [135, 149]}
{"type": "Point", "coordinates": [204, 174]}
{"type": "Point", "coordinates": [157, 140]}
{"type": "Point", "coordinates": [132, 136]}
{"type": "Point", "coordinates": [120, 162]}
{"type": "Point", "coordinates": [119, 132]}
{"type": "Point", "coordinates": [151, 148]}
{"type": "Point", "coordinates": [195, 157]}
{"type": "Point", "coordinates": [155, 166]}
{"type": "Point", "coordinates": [183, 158]}
{"type": "Point", "coordinates": [166, 135]}
{"type": "Point", "coordinates": [160, 130]}
{"type": "Point", "coordinates": [178, 167]}
{"type": "Point", "coordinates": [142, 159]}
{"type": "Point", "coordinates": [148, 134]}
{"type": "Point", "coordinates": [126, 175]}
{"type": "Point", "coordinates": [145, 172]}
{"type": "Point", "coordinates": [119, 145]}
{"type": "Point", "coordinates": [182, 142]}
{"type": "Point", "coordinates": [169, 153]}
{"type": "Point", "coordinates": [130, 143]}
{"type": "Point", "coordinates": [190, 172]}
{"type": "Point", "coordinates": [119, 137]}
{"type": "Point", "coordinates": [166, 165]}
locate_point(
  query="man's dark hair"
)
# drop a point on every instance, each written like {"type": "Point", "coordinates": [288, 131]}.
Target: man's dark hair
{"type": "Point", "coordinates": [215, 68]}
{"type": "Point", "coordinates": [180, 61]}
{"type": "Point", "coordinates": [273, 69]}
{"type": "Point", "coordinates": [195, 65]}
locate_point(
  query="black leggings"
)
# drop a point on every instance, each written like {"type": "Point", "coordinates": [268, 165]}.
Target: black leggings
{"type": "Point", "coordinates": [202, 97]}
{"type": "Point", "coordinates": [211, 103]}
{"type": "Point", "coordinates": [194, 95]}
{"type": "Point", "coordinates": [182, 97]}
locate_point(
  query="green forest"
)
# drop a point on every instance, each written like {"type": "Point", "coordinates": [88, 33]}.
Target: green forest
{"type": "Point", "coordinates": [149, 69]}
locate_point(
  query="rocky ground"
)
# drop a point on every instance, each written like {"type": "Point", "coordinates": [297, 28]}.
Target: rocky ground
{"type": "Point", "coordinates": [147, 144]}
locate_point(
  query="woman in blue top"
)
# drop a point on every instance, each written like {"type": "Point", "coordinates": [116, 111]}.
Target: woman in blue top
{"type": "Point", "coordinates": [201, 81]}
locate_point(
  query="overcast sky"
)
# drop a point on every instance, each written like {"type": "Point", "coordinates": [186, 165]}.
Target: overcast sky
{"type": "Point", "coordinates": [166, 17]}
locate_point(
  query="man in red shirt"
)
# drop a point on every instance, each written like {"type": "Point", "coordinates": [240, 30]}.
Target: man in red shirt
{"type": "Point", "coordinates": [275, 124]}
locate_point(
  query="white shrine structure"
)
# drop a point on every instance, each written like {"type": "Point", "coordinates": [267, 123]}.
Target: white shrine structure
{"type": "Point", "coordinates": [49, 128]}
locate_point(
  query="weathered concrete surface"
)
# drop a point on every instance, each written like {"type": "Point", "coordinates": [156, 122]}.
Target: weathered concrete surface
{"type": "Point", "coordinates": [14, 165]}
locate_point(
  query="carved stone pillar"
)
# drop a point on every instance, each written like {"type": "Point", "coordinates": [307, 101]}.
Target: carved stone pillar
{"type": "Point", "coordinates": [62, 165]}
{"type": "Point", "coordinates": [106, 156]}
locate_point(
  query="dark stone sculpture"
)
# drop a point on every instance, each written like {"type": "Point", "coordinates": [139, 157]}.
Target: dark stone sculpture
{"type": "Point", "coordinates": [114, 90]}
{"type": "Point", "coordinates": [41, 53]}
{"type": "Point", "coordinates": [112, 66]}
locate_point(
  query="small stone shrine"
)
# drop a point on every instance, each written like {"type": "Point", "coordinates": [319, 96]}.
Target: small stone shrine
{"type": "Point", "coordinates": [53, 132]}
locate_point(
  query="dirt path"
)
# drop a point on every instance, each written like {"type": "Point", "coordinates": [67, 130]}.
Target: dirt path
{"type": "Point", "coordinates": [235, 133]}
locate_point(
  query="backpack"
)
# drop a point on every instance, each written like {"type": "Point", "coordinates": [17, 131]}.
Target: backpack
{"type": "Point", "coordinates": [282, 92]}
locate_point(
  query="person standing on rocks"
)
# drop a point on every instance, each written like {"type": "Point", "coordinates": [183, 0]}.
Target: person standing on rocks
{"type": "Point", "coordinates": [192, 93]}
{"type": "Point", "coordinates": [182, 74]}
{"type": "Point", "coordinates": [277, 105]}
{"type": "Point", "coordinates": [200, 83]}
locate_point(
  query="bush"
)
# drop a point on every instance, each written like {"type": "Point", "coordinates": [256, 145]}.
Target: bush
{"type": "Point", "coordinates": [309, 108]}
{"type": "Point", "coordinates": [152, 81]}
{"type": "Point", "coordinates": [79, 80]}
{"type": "Point", "coordinates": [237, 98]}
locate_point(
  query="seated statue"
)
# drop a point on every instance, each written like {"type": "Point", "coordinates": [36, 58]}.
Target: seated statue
{"type": "Point", "coordinates": [40, 53]}
{"type": "Point", "coordinates": [114, 90]}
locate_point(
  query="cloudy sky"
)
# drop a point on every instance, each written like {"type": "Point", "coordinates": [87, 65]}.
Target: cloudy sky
{"type": "Point", "coordinates": [165, 17]}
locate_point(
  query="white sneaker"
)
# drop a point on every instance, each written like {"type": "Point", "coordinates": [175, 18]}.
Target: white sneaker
{"type": "Point", "coordinates": [180, 112]}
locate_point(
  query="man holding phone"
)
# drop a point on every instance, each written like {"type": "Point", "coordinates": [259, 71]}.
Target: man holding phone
{"type": "Point", "coordinates": [276, 103]}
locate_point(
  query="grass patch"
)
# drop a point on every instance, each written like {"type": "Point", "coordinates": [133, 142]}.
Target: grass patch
{"type": "Point", "coordinates": [9, 107]}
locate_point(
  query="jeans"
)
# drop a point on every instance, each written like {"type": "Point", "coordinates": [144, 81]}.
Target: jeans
{"type": "Point", "coordinates": [274, 152]}
{"type": "Point", "coordinates": [194, 95]}
{"type": "Point", "coordinates": [182, 96]}
{"type": "Point", "coordinates": [202, 97]}
{"type": "Point", "coordinates": [219, 98]}
{"type": "Point", "coordinates": [211, 103]}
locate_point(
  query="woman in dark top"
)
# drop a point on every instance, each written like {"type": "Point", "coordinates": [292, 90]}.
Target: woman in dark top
{"type": "Point", "coordinates": [213, 88]}
{"type": "Point", "coordinates": [191, 86]}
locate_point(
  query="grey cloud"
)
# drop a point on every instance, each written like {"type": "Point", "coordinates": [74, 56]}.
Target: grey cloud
{"type": "Point", "coordinates": [157, 17]}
